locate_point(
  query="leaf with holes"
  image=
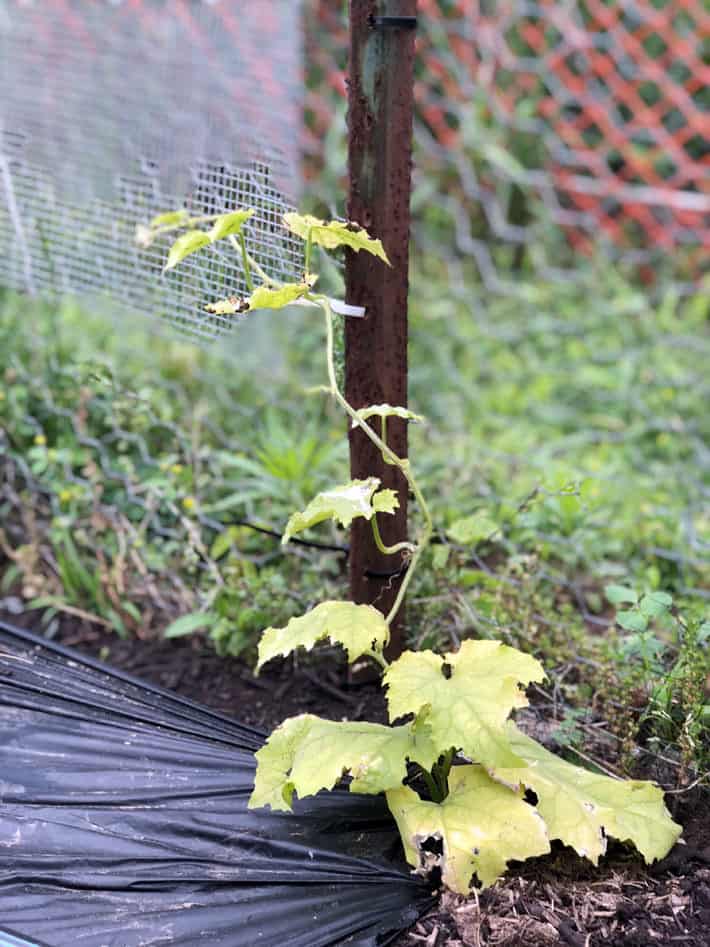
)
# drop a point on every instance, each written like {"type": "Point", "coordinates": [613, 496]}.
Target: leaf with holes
{"type": "Point", "coordinates": [230, 224]}
{"type": "Point", "coordinates": [468, 709]}
{"type": "Point", "coordinates": [266, 297]}
{"type": "Point", "coordinates": [582, 808]}
{"type": "Point", "coordinates": [343, 504]}
{"type": "Point", "coordinates": [306, 754]}
{"type": "Point", "coordinates": [335, 233]}
{"type": "Point", "coordinates": [226, 307]}
{"type": "Point", "coordinates": [481, 824]}
{"type": "Point", "coordinates": [188, 243]}
{"type": "Point", "coordinates": [358, 628]}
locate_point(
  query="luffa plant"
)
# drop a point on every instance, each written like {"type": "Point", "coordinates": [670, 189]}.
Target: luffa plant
{"type": "Point", "coordinates": [452, 763]}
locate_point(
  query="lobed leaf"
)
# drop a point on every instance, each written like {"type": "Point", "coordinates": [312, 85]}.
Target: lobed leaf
{"type": "Point", "coordinates": [387, 411]}
{"type": "Point", "coordinates": [266, 297]}
{"type": "Point", "coordinates": [343, 504]}
{"type": "Point", "coordinates": [581, 808]}
{"type": "Point", "coordinates": [358, 628]}
{"type": "Point", "coordinates": [334, 234]}
{"type": "Point", "coordinates": [188, 243]}
{"type": "Point", "coordinates": [467, 710]}
{"type": "Point", "coordinates": [482, 826]}
{"type": "Point", "coordinates": [306, 754]}
{"type": "Point", "coordinates": [229, 224]}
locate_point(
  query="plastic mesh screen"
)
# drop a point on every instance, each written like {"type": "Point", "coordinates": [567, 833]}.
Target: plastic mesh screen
{"type": "Point", "coordinates": [113, 112]}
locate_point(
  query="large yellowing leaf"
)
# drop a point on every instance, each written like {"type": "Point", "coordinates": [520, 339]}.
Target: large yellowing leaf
{"type": "Point", "coordinates": [227, 225]}
{"type": "Point", "coordinates": [358, 628]}
{"type": "Point", "coordinates": [188, 243]}
{"type": "Point", "coordinates": [469, 708]}
{"type": "Point", "coordinates": [482, 825]}
{"type": "Point", "coordinates": [582, 808]}
{"type": "Point", "coordinates": [266, 297]}
{"type": "Point", "coordinates": [306, 754]}
{"type": "Point", "coordinates": [334, 234]}
{"type": "Point", "coordinates": [343, 504]}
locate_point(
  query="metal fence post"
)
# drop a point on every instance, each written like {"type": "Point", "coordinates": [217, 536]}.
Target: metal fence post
{"type": "Point", "coordinates": [380, 93]}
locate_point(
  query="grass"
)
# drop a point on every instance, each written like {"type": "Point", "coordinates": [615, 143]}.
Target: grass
{"type": "Point", "coordinates": [141, 479]}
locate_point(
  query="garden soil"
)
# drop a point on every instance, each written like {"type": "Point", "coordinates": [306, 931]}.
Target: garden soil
{"type": "Point", "coordinates": [558, 899]}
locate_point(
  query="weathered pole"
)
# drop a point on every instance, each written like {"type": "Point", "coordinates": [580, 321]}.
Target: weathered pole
{"type": "Point", "coordinates": [380, 106]}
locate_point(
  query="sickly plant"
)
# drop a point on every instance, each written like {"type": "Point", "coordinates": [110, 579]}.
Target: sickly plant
{"type": "Point", "coordinates": [453, 765]}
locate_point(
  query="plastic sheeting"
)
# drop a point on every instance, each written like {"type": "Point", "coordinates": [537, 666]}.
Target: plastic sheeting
{"type": "Point", "coordinates": [124, 822]}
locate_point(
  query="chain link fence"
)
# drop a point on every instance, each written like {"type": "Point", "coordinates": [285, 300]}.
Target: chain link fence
{"type": "Point", "coordinates": [546, 132]}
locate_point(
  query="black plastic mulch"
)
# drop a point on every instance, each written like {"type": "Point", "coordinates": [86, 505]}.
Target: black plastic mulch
{"type": "Point", "coordinates": [125, 822]}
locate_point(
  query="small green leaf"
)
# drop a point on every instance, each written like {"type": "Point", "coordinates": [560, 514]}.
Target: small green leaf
{"type": "Point", "coordinates": [472, 529]}
{"type": "Point", "coordinates": [468, 709]}
{"type": "Point", "coordinates": [189, 623]}
{"type": "Point", "coordinates": [387, 411]}
{"type": "Point", "coordinates": [482, 826]}
{"type": "Point", "coordinates": [582, 808]}
{"type": "Point", "coordinates": [343, 504]}
{"type": "Point", "coordinates": [267, 298]}
{"type": "Point", "coordinates": [619, 594]}
{"type": "Point", "coordinates": [306, 754]}
{"type": "Point", "coordinates": [632, 620]}
{"type": "Point", "coordinates": [188, 243]}
{"type": "Point", "coordinates": [359, 628]}
{"type": "Point", "coordinates": [229, 224]}
{"type": "Point", "coordinates": [173, 218]}
{"type": "Point", "coordinates": [440, 556]}
{"type": "Point", "coordinates": [334, 234]}
{"type": "Point", "coordinates": [655, 603]}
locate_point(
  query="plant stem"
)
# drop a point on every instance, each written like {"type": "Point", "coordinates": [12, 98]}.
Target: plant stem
{"type": "Point", "coordinates": [245, 263]}
{"type": "Point", "coordinates": [388, 550]}
{"type": "Point", "coordinates": [387, 453]}
{"type": "Point", "coordinates": [431, 786]}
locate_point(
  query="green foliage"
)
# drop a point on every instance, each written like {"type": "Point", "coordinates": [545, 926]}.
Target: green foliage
{"type": "Point", "coordinates": [185, 245]}
{"type": "Point", "coordinates": [343, 504]}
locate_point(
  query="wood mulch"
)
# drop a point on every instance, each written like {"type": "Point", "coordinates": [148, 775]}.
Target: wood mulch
{"type": "Point", "coordinates": [558, 899]}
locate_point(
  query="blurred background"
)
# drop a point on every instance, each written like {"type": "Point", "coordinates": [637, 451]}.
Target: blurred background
{"type": "Point", "coordinates": [558, 305]}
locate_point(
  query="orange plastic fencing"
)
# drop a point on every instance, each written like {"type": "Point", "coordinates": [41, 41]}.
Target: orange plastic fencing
{"type": "Point", "coordinates": [594, 115]}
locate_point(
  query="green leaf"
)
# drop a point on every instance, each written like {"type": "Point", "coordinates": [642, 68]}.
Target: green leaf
{"type": "Point", "coordinates": [472, 529]}
{"type": "Point", "coordinates": [306, 754]}
{"type": "Point", "coordinates": [189, 623]}
{"type": "Point", "coordinates": [334, 234]}
{"type": "Point", "coordinates": [618, 594]}
{"type": "Point", "coordinates": [387, 411]}
{"type": "Point", "coordinates": [632, 620]}
{"type": "Point", "coordinates": [173, 218]}
{"type": "Point", "coordinates": [482, 826]}
{"type": "Point", "coordinates": [343, 504]}
{"type": "Point", "coordinates": [229, 224]}
{"type": "Point", "coordinates": [582, 808]}
{"type": "Point", "coordinates": [267, 298]}
{"type": "Point", "coordinates": [358, 628]}
{"type": "Point", "coordinates": [468, 710]}
{"type": "Point", "coordinates": [654, 604]}
{"type": "Point", "coordinates": [188, 243]}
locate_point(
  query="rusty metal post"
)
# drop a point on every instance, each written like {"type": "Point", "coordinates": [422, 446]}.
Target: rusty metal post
{"type": "Point", "coordinates": [381, 78]}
